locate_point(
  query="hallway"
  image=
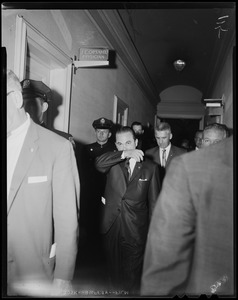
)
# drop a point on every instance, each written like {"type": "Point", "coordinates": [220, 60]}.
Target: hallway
{"type": "Point", "coordinates": [165, 62]}
{"type": "Point", "coordinates": [90, 278]}
{"type": "Point", "coordinates": [90, 272]}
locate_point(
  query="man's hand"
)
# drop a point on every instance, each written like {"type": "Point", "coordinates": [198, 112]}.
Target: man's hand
{"type": "Point", "coordinates": [135, 153]}
{"type": "Point", "coordinates": [60, 287]}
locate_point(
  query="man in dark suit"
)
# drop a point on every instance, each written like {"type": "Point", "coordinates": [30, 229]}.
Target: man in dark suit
{"type": "Point", "coordinates": [198, 139]}
{"type": "Point", "coordinates": [42, 203]}
{"type": "Point", "coordinates": [36, 97]}
{"type": "Point", "coordinates": [139, 133]}
{"type": "Point", "coordinates": [165, 151]}
{"type": "Point", "coordinates": [190, 245]}
{"type": "Point", "coordinates": [132, 188]}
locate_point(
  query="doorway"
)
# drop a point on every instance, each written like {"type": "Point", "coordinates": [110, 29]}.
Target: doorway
{"type": "Point", "coordinates": [183, 129]}
{"type": "Point", "coordinates": [38, 58]}
{"type": "Point", "coordinates": [120, 112]}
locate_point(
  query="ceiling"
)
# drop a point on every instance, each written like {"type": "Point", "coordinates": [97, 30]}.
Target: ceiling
{"type": "Point", "coordinates": [163, 33]}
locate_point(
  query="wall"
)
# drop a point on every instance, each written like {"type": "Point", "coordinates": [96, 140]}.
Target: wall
{"type": "Point", "coordinates": [181, 101]}
{"type": "Point", "coordinates": [224, 87]}
{"type": "Point", "coordinates": [93, 89]}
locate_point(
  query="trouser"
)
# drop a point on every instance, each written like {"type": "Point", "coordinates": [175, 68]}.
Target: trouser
{"type": "Point", "coordinates": [124, 260]}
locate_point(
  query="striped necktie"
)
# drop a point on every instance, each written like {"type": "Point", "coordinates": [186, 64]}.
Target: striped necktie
{"type": "Point", "coordinates": [127, 165]}
{"type": "Point", "coordinates": [163, 158]}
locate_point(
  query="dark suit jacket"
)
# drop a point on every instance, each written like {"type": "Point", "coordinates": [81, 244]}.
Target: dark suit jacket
{"type": "Point", "coordinates": [43, 208]}
{"type": "Point", "coordinates": [153, 154]}
{"type": "Point", "coordinates": [91, 197]}
{"type": "Point", "coordinates": [134, 200]}
{"type": "Point", "coordinates": [190, 243]}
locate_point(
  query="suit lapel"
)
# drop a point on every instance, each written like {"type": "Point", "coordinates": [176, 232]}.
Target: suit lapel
{"type": "Point", "coordinates": [158, 155]}
{"type": "Point", "coordinates": [171, 153]}
{"type": "Point", "coordinates": [136, 170]}
{"type": "Point", "coordinates": [24, 161]}
{"type": "Point", "coordinates": [124, 170]}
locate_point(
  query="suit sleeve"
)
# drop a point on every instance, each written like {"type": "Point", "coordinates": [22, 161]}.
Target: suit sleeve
{"type": "Point", "coordinates": [66, 188]}
{"type": "Point", "coordinates": [154, 190]}
{"type": "Point", "coordinates": [171, 233]}
{"type": "Point", "coordinates": [104, 162]}
{"type": "Point", "coordinates": [148, 154]}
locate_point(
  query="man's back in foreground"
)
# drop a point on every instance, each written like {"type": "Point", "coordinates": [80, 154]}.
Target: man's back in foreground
{"type": "Point", "coordinates": [190, 243]}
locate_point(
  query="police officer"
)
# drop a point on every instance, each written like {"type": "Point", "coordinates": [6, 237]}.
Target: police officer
{"type": "Point", "coordinates": [93, 182]}
{"type": "Point", "coordinates": [36, 97]}
{"type": "Point", "coordinates": [103, 133]}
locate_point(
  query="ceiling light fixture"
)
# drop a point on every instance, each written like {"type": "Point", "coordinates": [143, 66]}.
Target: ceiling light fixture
{"type": "Point", "coordinates": [179, 64]}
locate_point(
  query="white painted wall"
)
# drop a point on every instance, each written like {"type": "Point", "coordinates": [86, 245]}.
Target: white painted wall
{"type": "Point", "coordinates": [93, 89]}
{"type": "Point", "coordinates": [181, 101]}
{"type": "Point", "coordinates": [224, 87]}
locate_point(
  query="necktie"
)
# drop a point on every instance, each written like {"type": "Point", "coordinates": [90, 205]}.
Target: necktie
{"type": "Point", "coordinates": [163, 158]}
{"type": "Point", "coordinates": [127, 165]}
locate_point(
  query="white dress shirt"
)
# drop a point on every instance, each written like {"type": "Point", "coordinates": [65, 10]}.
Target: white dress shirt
{"type": "Point", "coordinates": [132, 163]}
{"type": "Point", "coordinates": [166, 153]}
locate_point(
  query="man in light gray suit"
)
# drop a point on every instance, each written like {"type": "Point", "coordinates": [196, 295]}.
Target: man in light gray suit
{"type": "Point", "coordinates": [190, 246]}
{"type": "Point", "coordinates": [42, 203]}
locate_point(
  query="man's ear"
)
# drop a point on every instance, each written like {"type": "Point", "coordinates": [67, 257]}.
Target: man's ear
{"type": "Point", "coordinates": [136, 141]}
{"type": "Point", "coordinates": [109, 135]}
{"type": "Point", "coordinates": [170, 136]}
{"type": "Point", "coordinates": [44, 107]}
{"type": "Point", "coordinates": [18, 100]}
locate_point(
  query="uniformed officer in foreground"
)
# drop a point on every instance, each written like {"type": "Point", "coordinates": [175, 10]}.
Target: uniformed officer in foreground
{"type": "Point", "coordinates": [36, 97]}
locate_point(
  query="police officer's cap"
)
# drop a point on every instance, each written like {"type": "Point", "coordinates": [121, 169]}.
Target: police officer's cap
{"type": "Point", "coordinates": [35, 88]}
{"type": "Point", "coordinates": [102, 123]}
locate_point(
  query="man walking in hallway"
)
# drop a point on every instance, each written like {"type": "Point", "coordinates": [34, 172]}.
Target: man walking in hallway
{"type": "Point", "coordinates": [132, 187]}
{"type": "Point", "coordinates": [42, 203]}
{"type": "Point", "coordinates": [165, 151]}
{"type": "Point", "coordinates": [190, 246]}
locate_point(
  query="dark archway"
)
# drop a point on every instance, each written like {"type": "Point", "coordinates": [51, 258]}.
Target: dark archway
{"type": "Point", "coordinates": [183, 129]}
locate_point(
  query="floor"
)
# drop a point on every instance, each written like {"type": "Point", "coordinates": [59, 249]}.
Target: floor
{"type": "Point", "coordinates": [90, 278]}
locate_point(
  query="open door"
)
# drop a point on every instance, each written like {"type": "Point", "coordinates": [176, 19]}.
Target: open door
{"type": "Point", "coordinates": [38, 58]}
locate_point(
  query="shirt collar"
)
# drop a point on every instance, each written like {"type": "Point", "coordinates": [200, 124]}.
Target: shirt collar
{"type": "Point", "coordinates": [167, 148]}
{"type": "Point", "coordinates": [16, 132]}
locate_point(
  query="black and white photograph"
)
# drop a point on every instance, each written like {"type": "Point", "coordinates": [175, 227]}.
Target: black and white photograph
{"type": "Point", "coordinates": [118, 149]}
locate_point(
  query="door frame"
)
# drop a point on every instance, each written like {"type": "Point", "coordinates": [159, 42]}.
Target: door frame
{"type": "Point", "coordinates": [28, 37]}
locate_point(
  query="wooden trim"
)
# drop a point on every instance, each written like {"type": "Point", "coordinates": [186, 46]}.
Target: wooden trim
{"type": "Point", "coordinates": [68, 99]}
{"type": "Point", "coordinates": [41, 47]}
{"type": "Point", "coordinates": [20, 48]}
{"type": "Point", "coordinates": [118, 102]}
{"type": "Point", "coordinates": [179, 116]}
